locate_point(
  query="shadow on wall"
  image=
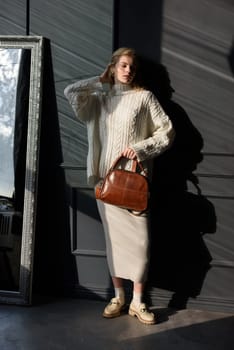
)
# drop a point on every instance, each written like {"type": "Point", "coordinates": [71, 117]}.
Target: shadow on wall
{"type": "Point", "coordinates": [54, 270]}
{"type": "Point", "coordinates": [231, 57]}
{"type": "Point", "coordinates": [179, 256]}
{"type": "Point", "coordinates": [138, 26]}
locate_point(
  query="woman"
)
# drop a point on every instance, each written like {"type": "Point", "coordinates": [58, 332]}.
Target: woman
{"type": "Point", "coordinates": [122, 118]}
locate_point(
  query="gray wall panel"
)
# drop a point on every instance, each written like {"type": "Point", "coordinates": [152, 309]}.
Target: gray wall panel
{"type": "Point", "coordinates": [12, 17]}
{"type": "Point", "coordinates": [197, 41]}
{"type": "Point", "coordinates": [93, 274]}
{"type": "Point", "coordinates": [207, 99]}
{"type": "Point", "coordinates": [217, 164]}
{"type": "Point", "coordinates": [212, 17]}
{"type": "Point", "coordinates": [81, 38]}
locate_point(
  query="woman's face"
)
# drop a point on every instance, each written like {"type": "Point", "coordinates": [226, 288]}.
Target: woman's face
{"type": "Point", "coordinates": [124, 70]}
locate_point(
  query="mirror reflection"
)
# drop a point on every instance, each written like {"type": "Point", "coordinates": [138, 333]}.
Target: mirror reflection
{"type": "Point", "coordinates": [21, 61]}
{"type": "Point", "coordinates": [14, 96]}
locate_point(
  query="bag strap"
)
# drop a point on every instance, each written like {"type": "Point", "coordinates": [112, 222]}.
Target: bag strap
{"type": "Point", "coordinates": [135, 164]}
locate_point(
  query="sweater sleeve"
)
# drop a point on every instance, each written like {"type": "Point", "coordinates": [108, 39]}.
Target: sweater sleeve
{"type": "Point", "coordinates": [160, 130]}
{"type": "Point", "coordinates": [83, 97]}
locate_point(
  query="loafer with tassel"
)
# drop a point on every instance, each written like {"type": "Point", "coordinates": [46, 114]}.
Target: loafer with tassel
{"type": "Point", "coordinates": [114, 308]}
{"type": "Point", "coordinates": [142, 313]}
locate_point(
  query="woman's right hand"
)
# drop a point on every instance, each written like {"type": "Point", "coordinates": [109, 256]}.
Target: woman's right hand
{"type": "Point", "coordinates": [129, 153]}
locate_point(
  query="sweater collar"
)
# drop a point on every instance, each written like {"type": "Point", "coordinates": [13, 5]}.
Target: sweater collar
{"type": "Point", "coordinates": [121, 87]}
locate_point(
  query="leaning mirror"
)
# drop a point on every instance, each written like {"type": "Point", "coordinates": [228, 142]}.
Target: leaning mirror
{"type": "Point", "coordinates": [20, 103]}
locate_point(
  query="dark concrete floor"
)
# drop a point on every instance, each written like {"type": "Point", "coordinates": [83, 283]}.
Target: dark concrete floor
{"type": "Point", "coordinates": [67, 324]}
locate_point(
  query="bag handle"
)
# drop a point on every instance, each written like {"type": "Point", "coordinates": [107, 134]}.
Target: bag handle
{"type": "Point", "coordinates": [135, 163]}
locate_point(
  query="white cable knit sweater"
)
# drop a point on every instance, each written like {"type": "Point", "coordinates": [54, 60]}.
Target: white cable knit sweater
{"type": "Point", "coordinates": [117, 118]}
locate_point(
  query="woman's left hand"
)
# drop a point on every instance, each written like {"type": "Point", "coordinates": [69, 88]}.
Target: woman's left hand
{"type": "Point", "coordinates": [129, 153]}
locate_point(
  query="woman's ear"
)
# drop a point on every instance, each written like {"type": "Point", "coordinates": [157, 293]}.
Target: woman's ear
{"type": "Point", "coordinates": [112, 69]}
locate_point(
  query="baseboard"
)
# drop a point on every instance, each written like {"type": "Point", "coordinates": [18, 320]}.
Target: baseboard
{"type": "Point", "coordinates": [159, 298]}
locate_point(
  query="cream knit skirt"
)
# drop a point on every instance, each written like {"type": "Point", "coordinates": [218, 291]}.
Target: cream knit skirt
{"type": "Point", "coordinates": [127, 242]}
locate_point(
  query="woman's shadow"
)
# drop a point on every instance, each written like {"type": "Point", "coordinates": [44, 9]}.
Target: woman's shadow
{"type": "Point", "coordinates": [179, 218]}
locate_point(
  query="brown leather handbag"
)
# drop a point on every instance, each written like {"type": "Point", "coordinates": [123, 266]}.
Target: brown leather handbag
{"type": "Point", "coordinates": [124, 188]}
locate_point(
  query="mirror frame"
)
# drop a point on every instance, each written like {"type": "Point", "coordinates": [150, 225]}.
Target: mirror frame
{"type": "Point", "coordinates": [35, 44]}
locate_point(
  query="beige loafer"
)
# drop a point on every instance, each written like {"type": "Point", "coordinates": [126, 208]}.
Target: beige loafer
{"type": "Point", "coordinates": [142, 313]}
{"type": "Point", "coordinates": [114, 308]}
